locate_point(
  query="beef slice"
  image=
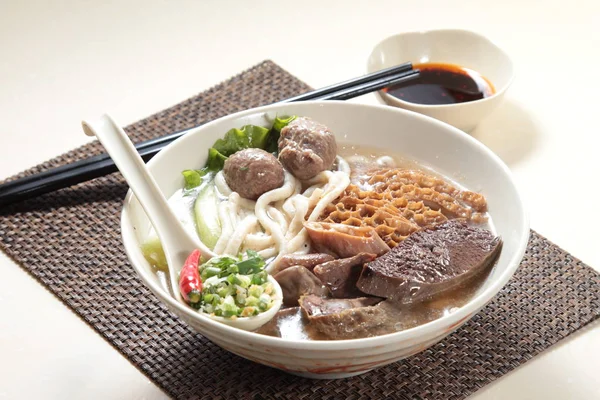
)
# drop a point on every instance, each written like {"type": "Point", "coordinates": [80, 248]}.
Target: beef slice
{"type": "Point", "coordinates": [338, 319]}
{"type": "Point", "coordinates": [340, 275]}
{"type": "Point", "coordinates": [430, 262]}
{"type": "Point", "coordinates": [297, 281]}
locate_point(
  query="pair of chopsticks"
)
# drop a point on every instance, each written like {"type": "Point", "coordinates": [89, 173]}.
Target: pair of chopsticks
{"type": "Point", "coordinates": [100, 165]}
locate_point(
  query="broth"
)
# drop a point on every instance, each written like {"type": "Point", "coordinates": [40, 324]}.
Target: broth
{"type": "Point", "coordinates": [291, 322]}
{"type": "Point", "coordinates": [373, 154]}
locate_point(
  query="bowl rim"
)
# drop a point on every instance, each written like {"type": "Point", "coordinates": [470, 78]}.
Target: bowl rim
{"type": "Point", "coordinates": [454, 320]}
{"type": "Point", "coordinates": [407, 104]}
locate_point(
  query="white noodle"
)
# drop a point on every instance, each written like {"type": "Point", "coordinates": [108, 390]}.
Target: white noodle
{"type": "Point", "coordinates": [268, 253]}
{"type": "Point", "coordinates": [261, 209]}
{"type": "Point", "coordinates": [320, 178]}
{"type": "Point", "coordinates": [224, 190]}
{"type": "Point", "coordinates": [274, 224]}
{"type": "Point", "coordinates": [296, 225]}
{"type": "Point", "coordinates": [278, 217]}
{"type": "Point", "coordinates": [338, 181]}
{"type": "Point", "coordinates": [233, 210]}
{"type": "Point", "coordinates": [308, 192]}
{"type": "Point", "coordinates": [239, 234]}
{"type": "Point", "coordinates": [314, 197]}
{"type": "Point", "coordinates": [289, 207]}
{"type": "Point", "coordinates": [343, 165]}
{"type": "Point", "coordinates": [337, 184]}
{"type": "Point", "coordinates": [246, 204]}
{"type": "Point", "coordinates": [221, 184]}
{"type": "Point", "coordinates": [258, 241]}
{"type": "Point", "coordinates": [226, 227]}
{"type": "Point", "coordinates": [297, 241]}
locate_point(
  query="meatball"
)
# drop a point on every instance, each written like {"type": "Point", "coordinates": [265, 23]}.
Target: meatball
{"type": "Point", "coordinates": [252, 172]}
{"type": "Point", "coordinates": [306, 148]}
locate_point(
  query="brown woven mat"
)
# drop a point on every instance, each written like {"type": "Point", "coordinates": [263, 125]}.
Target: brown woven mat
{"type": "Point", "coordinates": [71, 237]}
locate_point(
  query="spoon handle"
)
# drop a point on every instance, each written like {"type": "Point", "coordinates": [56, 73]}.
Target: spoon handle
{"type": "Point", "coordinates": [172, 235]}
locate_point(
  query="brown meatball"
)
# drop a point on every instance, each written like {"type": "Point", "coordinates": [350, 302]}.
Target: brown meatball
{"type": "Point", "coordinates": [252, 172]}
{"type": "Point", "coordinates": [306, 148]}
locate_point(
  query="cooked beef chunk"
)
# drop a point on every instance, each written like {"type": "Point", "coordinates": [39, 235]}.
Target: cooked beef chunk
{"type": "Point", "coordinates": [297, 281]}
{"type": "Point", "coordinates": [345, 240]}
{"type": "Point", "coordinates": [340, 275]}
{"type": "Point", "coordinates": [430, 262]}
{"type": "Point", "coordinates": [252, 172]}
{"type": "Point", "coordinates": [306, 148]}
{"type": "Point", "coordinates": [306, 260]}
{"type": "Point", "coordinates": [330, 319]}
{"type": "Point", "coordinates": [314, 306]}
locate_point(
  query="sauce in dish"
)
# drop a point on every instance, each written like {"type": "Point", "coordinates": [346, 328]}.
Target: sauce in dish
{"type": "Point", "coordinates": [441, 83]}
{"type": "Point", "coordinates": [362, 242]}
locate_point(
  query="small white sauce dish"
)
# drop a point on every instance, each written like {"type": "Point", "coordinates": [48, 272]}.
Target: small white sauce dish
{"type": "Point", "coordinates": [452, 46]}
{"type": "Point", "coordinates": [255, 322]}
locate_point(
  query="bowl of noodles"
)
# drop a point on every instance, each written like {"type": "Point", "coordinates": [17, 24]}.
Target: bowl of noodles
{"type": "Point", "coordinates": [382, 230]}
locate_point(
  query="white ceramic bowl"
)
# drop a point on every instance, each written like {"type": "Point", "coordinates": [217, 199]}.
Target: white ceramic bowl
{"type": "Point", "coordinates": [453, 46]}
{"type": "Point", "coordinates": [435, 144]}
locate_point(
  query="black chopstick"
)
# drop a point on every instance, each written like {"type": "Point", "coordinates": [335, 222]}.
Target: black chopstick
{"type": "Point", "coordinates": [368, 87]}
{"type": "Point", "coordinates": [66, 178]}
{"type": "Point", "coordinates": [397, 70]}
{"type": "Point", "coordinates": [100, 165]}
{"type": "Point", "coordinates": [319, 93]}
{"type": "Point", "coordinates": [350, 83]}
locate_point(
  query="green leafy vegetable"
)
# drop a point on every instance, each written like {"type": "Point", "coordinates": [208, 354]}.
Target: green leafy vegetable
{"type": "Point", "coordinates": [253, 264]}
{"type": "Point", "coordinates": [281, 123]}
{"type": "Point", "coordinates": [249, 136]}
{"type": "Point", "coordinates": [275, 132]}
{"type": "Point", "coordinates": [193, 178]}
{"type": "Point", "coordinates": [216, 160]}
{"type": "Point", "coordinates": [239, 139]}
{"type": "Point", "coordinates": [234, 141]}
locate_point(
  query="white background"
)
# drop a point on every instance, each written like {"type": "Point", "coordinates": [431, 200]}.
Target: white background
{"type": "Point", "coordinates": [62, 61]}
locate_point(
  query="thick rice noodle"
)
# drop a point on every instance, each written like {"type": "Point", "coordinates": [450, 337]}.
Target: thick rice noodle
{"type": "Point", "coordinates": [273, 225]}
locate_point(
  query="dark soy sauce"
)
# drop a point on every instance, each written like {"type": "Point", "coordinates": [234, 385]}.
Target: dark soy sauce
{"type": "Point", "coordinates": [443, 84]}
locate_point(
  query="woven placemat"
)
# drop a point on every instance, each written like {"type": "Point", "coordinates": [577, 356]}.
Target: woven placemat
{"type": "Point", "coordinates": [70, 241]}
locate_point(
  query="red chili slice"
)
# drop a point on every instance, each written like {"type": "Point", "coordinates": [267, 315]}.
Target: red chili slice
{"type": "Point", "coordinates": [190, 283]}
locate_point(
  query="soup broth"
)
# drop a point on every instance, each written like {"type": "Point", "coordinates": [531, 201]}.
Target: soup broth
{"type": "Point", "coordinates": [360, 241]}
{"type": "Point", "coordinates": [290, 323]}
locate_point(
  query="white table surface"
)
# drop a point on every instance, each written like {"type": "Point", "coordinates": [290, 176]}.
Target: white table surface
{"type": "Point", "coordinates": [61, 61]}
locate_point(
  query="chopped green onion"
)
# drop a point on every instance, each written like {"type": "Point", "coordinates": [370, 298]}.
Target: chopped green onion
{"type": "Point", "coordinates": [235, 287]}
{"type": "Point", "coordinates": [251, 301]}
{"type": "Point", "coordinates": [255, 290]}
{"type": "Point", "coordinates": [210, 271]}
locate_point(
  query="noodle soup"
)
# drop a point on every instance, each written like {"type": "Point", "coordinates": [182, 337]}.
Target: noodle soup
{"type": "Point", "coordinates": [362, 242]}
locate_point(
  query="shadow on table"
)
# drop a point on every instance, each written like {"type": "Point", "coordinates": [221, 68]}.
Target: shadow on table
{"type": "Point", "coordinates": [510, 132]}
